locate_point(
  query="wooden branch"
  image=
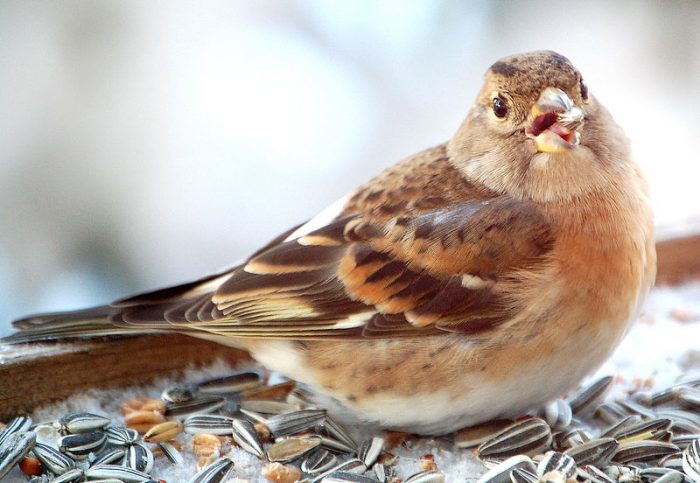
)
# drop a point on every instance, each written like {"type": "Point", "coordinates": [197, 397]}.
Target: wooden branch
{"type": "Point", "coordinates": [35, 374]}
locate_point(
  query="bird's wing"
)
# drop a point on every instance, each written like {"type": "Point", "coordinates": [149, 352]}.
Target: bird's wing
{"type": "Point", "coordinates": [431, 265]}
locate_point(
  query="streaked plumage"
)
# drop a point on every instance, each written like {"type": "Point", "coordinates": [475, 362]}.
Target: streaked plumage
{"type": "Point", "coordinates": [476, 279]}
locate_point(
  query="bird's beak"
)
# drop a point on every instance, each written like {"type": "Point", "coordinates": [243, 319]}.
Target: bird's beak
{"type": "Point", "coordinates": [553, 122]}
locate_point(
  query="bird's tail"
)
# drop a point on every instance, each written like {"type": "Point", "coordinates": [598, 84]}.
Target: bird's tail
{"type": "Point", "coordinates": [87, 323]}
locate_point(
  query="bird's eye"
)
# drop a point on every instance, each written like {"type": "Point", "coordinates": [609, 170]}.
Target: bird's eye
{"type": "Point", "coordinates": [584, 89]}
{"type": "Point", "coordinates": [500, 108]}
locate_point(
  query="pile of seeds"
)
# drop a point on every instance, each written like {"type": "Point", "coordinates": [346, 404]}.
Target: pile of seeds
{"type": "Point", "coordinates": [644, 437]}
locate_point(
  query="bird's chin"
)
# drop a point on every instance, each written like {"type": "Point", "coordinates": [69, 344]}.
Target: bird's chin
{"type": "Point", "coordinates": [556, 139]}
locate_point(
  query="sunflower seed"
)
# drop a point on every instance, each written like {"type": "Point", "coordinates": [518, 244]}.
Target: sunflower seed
{"type": "Point", "coordinates": [673, 477]}
{"type": "Point", "coordinates": [555, 461]}
{"type": "Point", "coordinates": [246, 437]}
{"type": "Point", "coordinates": [643, 451]}
{"type": "Point", "coordinates": [69, 476]}
{"type": "Point", "coordinates": [15, 447]}
{"type": "Point", "coordinates": [684, 440]}
{"type": "Point", "coordinates": [588, 398]}
{"type": "Point", "coordinates": [345, 477]}
{"type": "Point", "coordinates": [179, 394]}
{"type": "Point", "coordinates": [302, 397]}
{"type": "Point", "coordinates": [593, 474]}
{"type": "Point", "coordinates": [127, 475]}
{"type": "Point", "coordinates": [79, 446]}
{"type": "Point", "coordinates": [333, 429]}
{"type": "Point", "coordinates": [335, 445]}
{"type": "Point", "coordinates": [171, 453]}
{"type": "Point", "coordinates": [596, 452]}
{"type": "Point", "coordinates": [571, 438]}
{"type": "Point", "coordinates": [253, 416]}
{"type": "Point", "coordinates": [77, 423]}
{"type": "Point", "coordinates": [688, 397]}
{"type": "Point", "coordinates": [266, 406]}
{"type": "Point", "coordinates": [525, 437]}
{"type": "Point", "coordinates": [233, 383]}
{"type": "Point", "coordinates": [208, 423]}
{"type": "Point", "coordinates": [164, 432]}
{"type": "Point", "coordinates": [295, 422]}
{"type": "Point", "coordinates": [649, 475]}
{"type": "Point", "coordinates": [370, 451]}
{"type": "Point", "coordinates": [610, 412]}
{"type": "Point", "coordinates": [691, 460]}
{"type": "Point", "coordinates": [138, 457]}
{"type": "Point", "coordinates": [432, 476]}
{"type": "Point", "coordinates": [621, 425]}
{"type": "Point", "coordinates": [633, 407]}
{"type": "Point", "coordinates": [214, 473]}
{"type": "Point", "coordinates": [121, 436]}
{"type": "Point", "coordinates": [21, 423]}
{"type": "Point", "coordinates": [641, 428]}
{"type": "Point", "coordinates": [673, 462]}
{"type": "Point", "coordinates": [201, 405]}
{"type": "Point", "coordinates": [475, 435]}
{"type": "Point", "coordinates": [56, 462]}
{"type": "Point", "coordinates": [520, 475]}
{"type": "Point", "coordinates": [558, 413]}
{"type": "Point", "coordinates": [501, 472]}
{"type": "Point", "coordinates": [351, 466]}
{"type": "Point", "coordinates": [318, 461]}
{"type": "Point", "coordinates": [108, 456]}
{"type": "Point", "coordinates": [292, 448]}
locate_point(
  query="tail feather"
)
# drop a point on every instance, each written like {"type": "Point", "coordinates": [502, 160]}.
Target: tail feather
{"type": "Point", "coordinates": [87, 323]}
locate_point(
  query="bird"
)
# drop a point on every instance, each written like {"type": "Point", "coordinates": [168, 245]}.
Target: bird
{"type": "Point", "coordinates": [477, 279]}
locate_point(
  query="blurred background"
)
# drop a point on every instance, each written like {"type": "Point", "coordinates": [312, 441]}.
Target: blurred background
{"type": "Point", "coordinates": [146, 143]}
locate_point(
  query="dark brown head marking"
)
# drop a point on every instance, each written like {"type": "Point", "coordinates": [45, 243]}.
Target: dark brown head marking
{"type": "Point", "coordinates": [506, 69]}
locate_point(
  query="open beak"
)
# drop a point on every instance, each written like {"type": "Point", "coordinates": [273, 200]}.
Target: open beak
{"type": "Point", "coordinates": [553, 122]}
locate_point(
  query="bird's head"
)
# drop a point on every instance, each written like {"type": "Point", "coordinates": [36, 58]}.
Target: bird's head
{"type": "Point", "coordinates": [536, 132]}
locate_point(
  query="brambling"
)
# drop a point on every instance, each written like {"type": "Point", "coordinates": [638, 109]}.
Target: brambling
{"type": "Point", "coordinates": [477, 279]}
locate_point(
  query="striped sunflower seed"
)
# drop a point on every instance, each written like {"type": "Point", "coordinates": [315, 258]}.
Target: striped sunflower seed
{"type": "Point", "coordinates": [69, 476]}
{"type": "Point", "coordinates": [121, 436]}
{"type": "Point", "coordinates": [266, 406]}
{"type": "Point", "coordinates": [127, 475]}
{"type": "Point", "coordinates": [597, 452]}
{"type": "Point", "coordinates": [234, 383]}
{"type": "Point", "coordinates": [570, 438]}
{"type": "Point", "coordinates": [351, 466]}
{"type": "Point", "coordinates": [335, 445]}
{"type": "Point", "coordinates": [610, 412]}
{"type": "Point", "coordinates": [475, 435]}
{"type": "Point", "coordinates": [633, 407]}
{"type": "Point", "coordinates": [200, 405]}
{"type": "Point", "coordinates": [21, 423]}
{"type": "Point", "coordinates": [108, 456]}
{"type": "Point", "coordinates": [691, 460]}
{"type": "Point", "coordinates": [79, 446]}
{"type": "Point", "coordinates": [432, 476]}
{"type": "Point", "coordinates": [587, 399]}
{"type": "Point", "coordinates": [688, 396]}
{"type": "Point", "coordinates": [172, 453]}
{"type": "Point", "coordinates": [14, 448]}
{"type": "Point", "coordinates": [643, 451]}
{"type": "Point", "coordinates": [649, 475]}
{"type": "Point", "coordinates": [77, 423]}
{"type": "Point", "coordinates": [520, 475]}
{"type": "Point", "coordinates": [684, 440]}
{"type": "Point", "coordinates": [246, 437]}
{"type": "Point", "coordinates": [593, 474]}
{"type": "Point", "coordinates": [370, 450]}
{"type": "Point", "coordinates": [163, 432]}
{"type": "Point", "coordinates": [138, 457]}
{"type": "Point", "coordinates": [56, 462]}
{"type": "Point", "coordinates": [555, 461]}
{"type": "Point", "coordinates": [333, 429]}
{"type": "Point", "coordinates": [501, 472]}
{"type": "Point", "coordinates": [642, 430]}
{"type": "Point", "coordinates": [622, 424]}
{"type": "Point", "coordinates": [673, 477]}
{"type": "Point", "coordinates": [208, 423]}
{"type": "Point", "coordinates": [289, 449]}
{"type": "Point", "coordinates": [295, 422]}
{"type": "Point", "coordinates": [318, 461]}
{"type": "Point", "coordinates": [253, 416]}
{"type": "Point", "coordinates": [558, 414]}
{"type": "Point", "coordinates": [383, 472]}
{"type": "Point", "coordinates": [672, 462]}
{"type": "Point", "coordinates": [345, 477]}
{"type": "Point", "coordinates": [527, 437]}
{"type": "Point", "coordinates": [684, 421]}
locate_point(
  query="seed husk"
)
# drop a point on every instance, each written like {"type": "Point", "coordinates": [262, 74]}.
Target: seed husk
{"type": "Point", "coordinates": [610, 412]}
{"type": "Point", "coordinates": [527, 437]}
{"type": "Point", "coordinates": [51, 458]}
{"type": "Point", "coordinates": [200, 405]}
{"type": "Point", "coordinates": [555, 461]}
{"type": "Point", "coordinates": [117, 472]}
{"type": "Point", "coordinates": [597, 452]}
{"type": "Point", "coordinates": [346, 477]}
{"type": "Point", "coordinates": [644, 451]}
{"type": "Point", "coordinates": [558, 414]}
{"type": "Point", "coordinates": [501, 472]}
{"type": "Point", "coordinates": [108, 456]}
{"type": "Point", "coordinates": [15, 447]}
{"type": "Point", "coordinates": [351, 466]}
{"type": "Point", "coordinates": [333, 429]}
{"type": "Point", "coordinates": [246, 437]}
{"type": "Point", "coordinates": [208, 423]}
{"type": "Point", "coordinates": [295, 422]}
{"type": "Point", "coordinates": [335, 445]}
{"type": "Point", "coordinates": [691, 460]}
{"type": "Point", "coordinates": [289, 449]}
{"type": "Point", "coordinates": [171, 452]}
{"type": "Point", "coordinates": [121, 436]}
{"type": "Point", "coordinates": [432, 476]}
{"type": "Point", "coordinates": [688, 397]}
{"type": "Point", "coordinates": [642, 428]}
{"type": "Point", "coordinates": [587, 399]}
{"type": "Point", "coordinates": [230, 384]}
{"type": "Point", "coordinates": [79, 446]}
{"type": "Point", "coordinates": [520, 475]}
{"type": "Point", "coordinates": [139, 457]}
{"type": "Point", "coordinates": [593, 474]}
{"type": "Point", "coordinates": [475, 435]}
{"type": "Point", "coordinates": [266, 406]}
{"type": "Point", "coordinates": [69, 476]}
{"type": "Point", "coordinates": [622, 424]}
{"type": "Point", "coordinates": [18, 424]}
{"type": "Point", "coordinates": [76, 423]}
{"type": "Point", "coordinates": [318, 461]}
{"type": "Point", "coordinates": [370, 450]}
